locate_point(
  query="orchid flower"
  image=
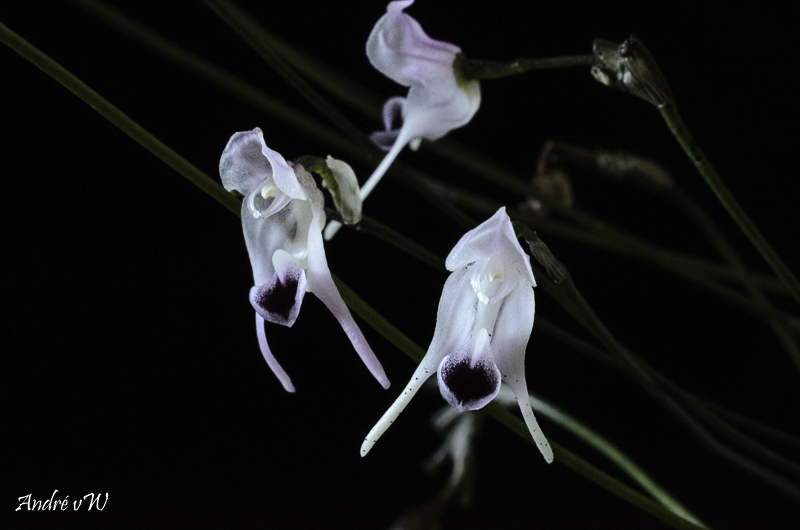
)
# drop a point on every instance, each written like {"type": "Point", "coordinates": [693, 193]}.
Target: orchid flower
{"type": "Point", "coordinates": [482, 328]}
{"type": "Point", "coordinates": [439, 99]}
{"type": "Point", "coordinates": [282, 217]}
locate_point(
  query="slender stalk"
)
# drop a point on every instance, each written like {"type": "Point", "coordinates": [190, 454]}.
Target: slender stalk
{"type": "Point", "coordinates": [118, 118]}
{"type": "Point", "coordinates": [394, 238]}
{"type": "Point", "coordinates": [686, 397]}
{"type": "Point", "coordinates": [460, 155]}
{"type": "Point", "coordinates": [482, 69]}
{"type": "Point", "coordinates": [678, 264]}
{"type": "Point", "coordinates": [704, 409]}
{"type": "Point", "coordinates": [363, 100]}
{"type": "Point", "coordinates": [576, 463]}
{"type": "Point", "coordinates": [724, 248]}
{"type": "Point", "coordinates": [684, 137]}
{"type": "Point", "coordinates": [630, 167]}
{"type": "Point", "coordinates": [567, 292]}
{"type": "Point", "coordinates": [252, 33]}
{"type": "Point", "coordinates": [564, 456]}
{"type": "Point", "coordinates": [610, 451]}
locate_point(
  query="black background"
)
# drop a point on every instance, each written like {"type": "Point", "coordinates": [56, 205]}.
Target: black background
{"type": "Point", "coordinates": [130, 360]}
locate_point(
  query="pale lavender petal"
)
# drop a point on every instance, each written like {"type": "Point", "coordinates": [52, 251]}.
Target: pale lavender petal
{"type": "Point", "coordinates": [494, 237]}
{"type": "Point", "coordinates": [392, 122]}
{"type": "Point", "coordinates": [279, 300]}
{"type": "Point", "coordinates": [468, 379]}
{"type": "Point", "coordinates": [394, 113]}
{"type": "Point", "coordinates": [321, 284]}
{"type": "Point", "coordinates": [455, 317]}
{"type": "Point", "coordinates": [509, 342]}
{"type": "Point", "coordinates": [384, 139]}
{"type": "Point", "coordinates": [434, 109]}
{"type": "Point", "coordinates": [400, 49]}
{"type": "Point", "coordinates": [283, 174]}
{"type": "Point", "coordinates": [243, 165]}
{"type": "Point", "coordinates": [271, 361]}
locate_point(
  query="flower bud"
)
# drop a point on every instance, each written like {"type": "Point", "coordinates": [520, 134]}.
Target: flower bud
{"type": "Point", "coordinates": [631, 68]}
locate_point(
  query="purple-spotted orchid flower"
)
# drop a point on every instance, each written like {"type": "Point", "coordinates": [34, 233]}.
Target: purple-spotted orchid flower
{"type": "Point", "coordinates": [482, 329]}
{"type": "Point", "coordinates": [282, 217]}
{"type": "Point", "coordinates": [439, 99]}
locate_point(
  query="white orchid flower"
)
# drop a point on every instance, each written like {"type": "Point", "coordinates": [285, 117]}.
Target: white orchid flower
{"type": "Point", "coordinates": [483, 325]}
{"type": "Point", "coordinates": [439, 99]}
{"type": "Point", "coordinates": [282, 217]}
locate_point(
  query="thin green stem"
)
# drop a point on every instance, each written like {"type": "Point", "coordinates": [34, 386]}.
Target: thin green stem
{"type": "Point", "coordinates": [567, 292]}
{"type": "Point", "coordinates": [709, 412]}
{"type": "Point", "coordinates": [610, 451]}
{"type": "Point", "coordinates": [482, 69]}
{"type": "Point", "coordinates": [678, 264]}
{"type": "Point", "coordinates": [360, 98]}
{"type": "Point", "coordinates": [564, 456]}
{"type": "Point", "coordinates": [604, 357]}
{"type": "Point", "coordinates": [704, 409]}
{"type": "Point", "coordinates": [252, 33]}
{"type": "Point", "coordinates": [650, 175]}
{"type": "Point", "coordinates": [578, 464]}
{"type": "Point", "coordinates": [118, 118]}
{"type": "Point", "coordinates": [381, 231]}
{"type": "Point", "coordinates": [684, 137]}
{"type": "Point", "coordinates": [213, 189]}
{"type": "Point", "coordinates": [725, 249]}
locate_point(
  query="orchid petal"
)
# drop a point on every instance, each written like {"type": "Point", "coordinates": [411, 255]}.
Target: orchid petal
{"type": "Point", "coordinates": [242, 165]}
{"type": "Point", "coordinates": [394, 113]}
{"type": "Point", "coordinates": [321, 284]}
{"type": "Point", "coordinates": [469, 379]}
{"type": "Point", "coordinates": [247, 161]}
{"type": "Point", "coordinates": [279, 301]}
{"type": "Point", "coordinates": [455, 317]}
{"type": "Point", "coordinates": [492, 237]}
{"type": "Point", "coordinates": [271, 361]}
{"type": "Point", "coordinates": [384, 139]}
{"type": "Point", "coordinates": [400, 49]}
{"type": "Point", "coordinates": [510, 342]}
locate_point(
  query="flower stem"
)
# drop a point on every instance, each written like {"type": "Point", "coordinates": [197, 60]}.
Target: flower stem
{"type": "Point", "coordinates": [564, 456]}
{"type": "Point", "coordinates": [684, 137]}
{"type": "Point", "coordinates": [481, 69]}
{"type": "Point", "coordinates": [614, 454]}
{"type": "Point", "coordinates": [118, 118]}
{"type": "Point", "coordinates": [649, 175]}
{"type": "Point", "coordinates": [571, 299]}
{"type": "Point", "coordinates": [252, 33]}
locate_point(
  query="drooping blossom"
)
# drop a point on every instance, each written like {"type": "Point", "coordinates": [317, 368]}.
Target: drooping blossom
{"type": "Point", "coordinates": [439, 98]}
{"type": "Point", "coordinates": [483, 325]}
{"type": "Point", "coordinates": [282, 217]}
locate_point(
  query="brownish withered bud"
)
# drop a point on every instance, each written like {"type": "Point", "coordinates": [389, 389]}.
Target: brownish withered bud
{"type": "Point", "coordinates": [639, 170]}
{"type": "Point", "coordinates": [550, 183]}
